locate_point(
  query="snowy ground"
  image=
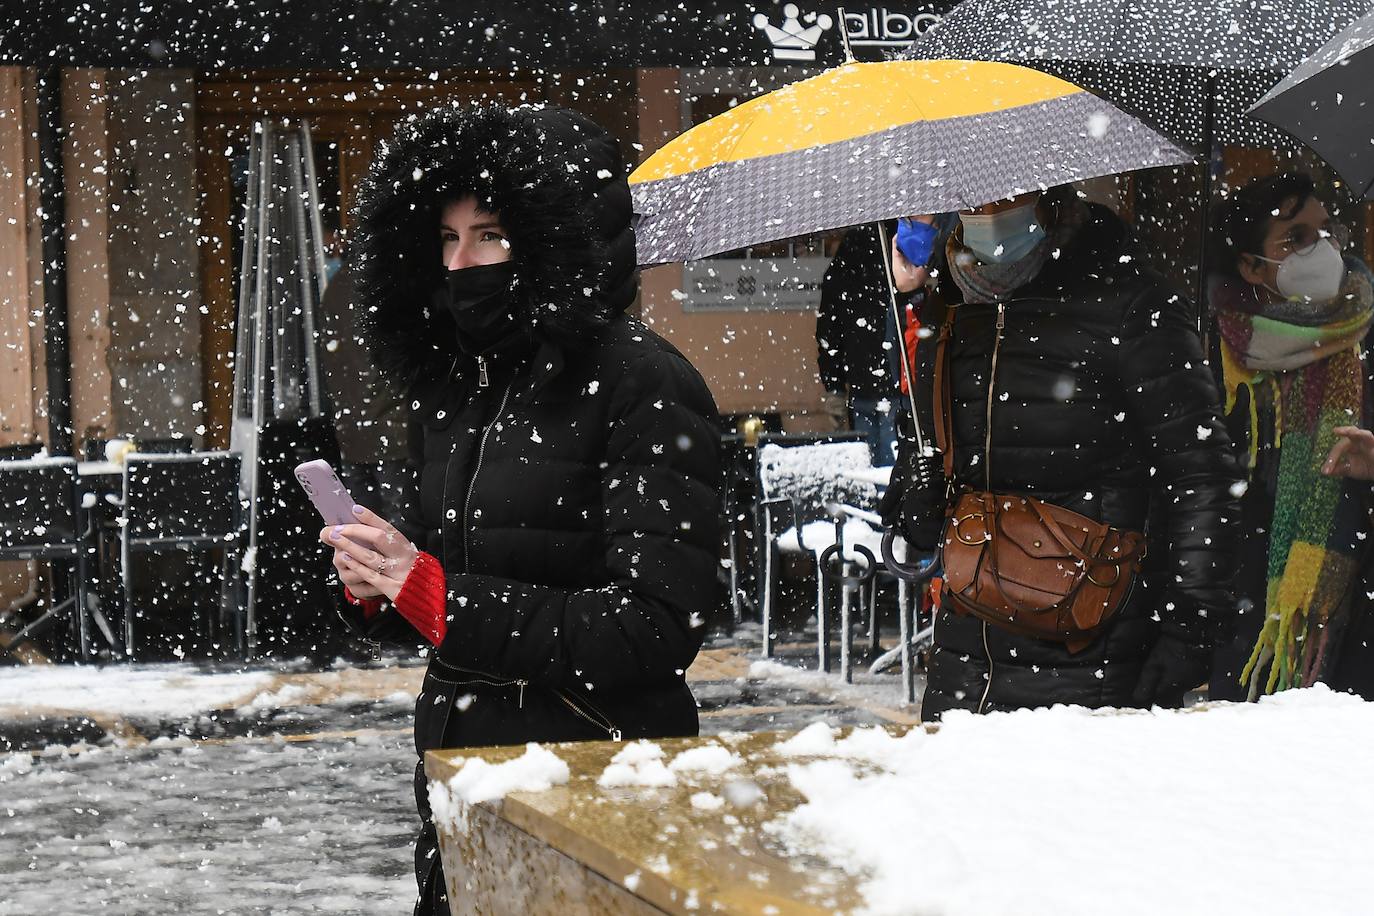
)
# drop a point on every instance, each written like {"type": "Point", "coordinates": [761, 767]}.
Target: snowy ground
{"type": "Point", "coordinates": [293, 797]}
{"type": "Point", "coordinates": [174, 789]}
{"type": "Point", "coordinates": [244, 827]}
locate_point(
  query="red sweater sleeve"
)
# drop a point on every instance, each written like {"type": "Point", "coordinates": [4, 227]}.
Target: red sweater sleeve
{"type": "Point", "coordinates": [421, 599]}
{"type": "Point", "coordinates": [371, 606]}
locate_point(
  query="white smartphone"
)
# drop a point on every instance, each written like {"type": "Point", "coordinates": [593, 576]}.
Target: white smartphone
{"type": "Point", "coordinates": [322, 485]}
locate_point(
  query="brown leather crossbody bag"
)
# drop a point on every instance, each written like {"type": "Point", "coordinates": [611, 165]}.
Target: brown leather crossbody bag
{"type": "Point", "coordinates": [1017, 562]}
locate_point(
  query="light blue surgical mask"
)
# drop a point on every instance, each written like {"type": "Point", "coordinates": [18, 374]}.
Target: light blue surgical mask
{"type": "Point", "coordinates": [1002, 237]}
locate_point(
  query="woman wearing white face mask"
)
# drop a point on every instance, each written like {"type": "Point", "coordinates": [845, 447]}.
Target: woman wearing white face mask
{"type": "Point", "coordinates": [1071, 376]}
{"type": "Point", "coordinates": [1294, 314]}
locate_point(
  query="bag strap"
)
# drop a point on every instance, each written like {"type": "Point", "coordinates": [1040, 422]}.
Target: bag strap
{"type": "Point", "coordinates": [1056, 531]}
{"type": "Point", "coordinates": [940, 400]}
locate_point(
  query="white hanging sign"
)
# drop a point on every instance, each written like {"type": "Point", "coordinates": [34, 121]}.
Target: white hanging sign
{"type": "Point", "coordinates": [752, 284]}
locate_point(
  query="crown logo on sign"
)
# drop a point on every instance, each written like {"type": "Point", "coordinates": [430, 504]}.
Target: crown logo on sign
{"type": "Point", "coordinates": [792, 40]}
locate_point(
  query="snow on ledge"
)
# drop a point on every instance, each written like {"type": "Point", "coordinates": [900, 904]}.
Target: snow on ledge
{"type": "Point", "coordinates": [536, 770]}
{"type": "Point", "coordinates": [1223, 809]}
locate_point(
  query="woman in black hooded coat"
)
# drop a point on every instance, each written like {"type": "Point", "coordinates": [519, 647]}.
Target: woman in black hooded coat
{"type": "Point", "coordinates": [567, 455]}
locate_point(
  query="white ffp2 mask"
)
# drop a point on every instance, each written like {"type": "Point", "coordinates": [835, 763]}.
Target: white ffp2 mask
{"type": "Point", "coordinates": [1313, 275]}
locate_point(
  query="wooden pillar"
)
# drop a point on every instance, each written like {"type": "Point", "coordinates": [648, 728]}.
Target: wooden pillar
{"type": "Point", "coordinates": [86, 162]}
{"type": "Point", "coordinates": [22, 383]}
{"type": "Point", "coordinates": [17, 367]}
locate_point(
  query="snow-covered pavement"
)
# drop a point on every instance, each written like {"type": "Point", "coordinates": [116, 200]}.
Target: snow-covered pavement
{"type": "Point", "coordinates": [171, 789]}
{"type": "Point", "coordinates": [249, 826]}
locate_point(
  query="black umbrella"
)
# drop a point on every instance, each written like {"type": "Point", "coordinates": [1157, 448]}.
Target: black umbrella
{"type": "Point", "coordinates": [1328, 103]}
{"type": "Point", "coordinates": [1152, 57]}
{"type": "Point", "coordinates": [1189, 68]}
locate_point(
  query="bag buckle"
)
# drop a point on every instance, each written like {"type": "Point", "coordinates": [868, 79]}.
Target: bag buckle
{"type": "Point", "coordinates": [959, 534]}
{"type": "Point", "coordinates": [1116, 577]}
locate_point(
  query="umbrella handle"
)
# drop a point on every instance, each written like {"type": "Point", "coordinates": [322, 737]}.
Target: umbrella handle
{"type": "Point", "coordinates": [913, 572]}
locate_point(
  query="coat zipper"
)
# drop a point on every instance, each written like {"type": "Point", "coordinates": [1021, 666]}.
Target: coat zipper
{"type": "Point", "coordinates": [987, 477]}
{"type": "Point", "coordinates": [594, 716]}
{"type": "Point", "coordinates": [992, 384]}
{"type": "Point", "coordinates": [481, 677]}
{"type": "Point", "coordinates": [374, 646]}
{"type": "Point", "coordinates": [987, 688]}
{"type": "Point", "coordinates": [477, 469]}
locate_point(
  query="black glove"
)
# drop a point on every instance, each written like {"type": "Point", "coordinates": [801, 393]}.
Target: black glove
{"type": "Point", "coordinates": [915, 511]}
{"type": "Point", "coordinates": [1173, 667]}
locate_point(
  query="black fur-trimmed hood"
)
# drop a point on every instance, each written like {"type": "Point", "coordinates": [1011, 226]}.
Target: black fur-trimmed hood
{"type": "Point", "coordinates": [557, 181]}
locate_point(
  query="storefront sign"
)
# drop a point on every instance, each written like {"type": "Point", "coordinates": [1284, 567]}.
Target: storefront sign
{"type": "Point", "coordinates": [795, 34]}
{"type": "Point", "coordinates": [754, 284]}
{"type": "Point", "coordinates": [880, 27]}
{"type": "Point", "coordinates": [794, 38]}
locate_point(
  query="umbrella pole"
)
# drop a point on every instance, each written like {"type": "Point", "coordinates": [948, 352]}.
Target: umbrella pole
{"type": "Point", "coordinates": [885, 245]}
{"type": "Point", "coordinates": [1205, 226]}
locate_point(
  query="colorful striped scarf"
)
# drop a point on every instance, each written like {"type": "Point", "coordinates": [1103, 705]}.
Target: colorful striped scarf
{"type": "Point", "coordinates": [1304, 360]}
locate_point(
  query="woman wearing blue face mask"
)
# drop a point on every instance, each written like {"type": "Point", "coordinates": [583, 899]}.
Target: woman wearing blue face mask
{"type": "Point", "coordinates": [1294, 312]}
{"type": "Point", "coordinates": [1072, 377]}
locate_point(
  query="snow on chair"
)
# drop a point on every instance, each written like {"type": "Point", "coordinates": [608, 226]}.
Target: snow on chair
{"type": "Point", "coordinates": [800, 480]}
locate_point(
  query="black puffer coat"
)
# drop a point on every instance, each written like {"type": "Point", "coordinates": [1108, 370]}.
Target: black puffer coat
{"type": "Point", "coordinates": [851, 326]}
{"type": "Point", "coordinates": [572, 501]}
{"type": "Point", "coordinates": [1103, 404]}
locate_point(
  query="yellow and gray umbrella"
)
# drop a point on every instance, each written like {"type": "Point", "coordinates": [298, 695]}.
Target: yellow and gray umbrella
{"type": "Point", "coordinates": [872, 141]}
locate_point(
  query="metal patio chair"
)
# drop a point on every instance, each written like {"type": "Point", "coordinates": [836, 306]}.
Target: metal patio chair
{"type": "Point", "coordinates": [798, 484]}
{"type": "Point", "coordinates": [40, 520]}
{"type": "Point", "coordinates": [188, 502]}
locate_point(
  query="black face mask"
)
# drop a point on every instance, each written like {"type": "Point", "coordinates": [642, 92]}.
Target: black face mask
{"type": "Point", "coordinates": [479, 299]}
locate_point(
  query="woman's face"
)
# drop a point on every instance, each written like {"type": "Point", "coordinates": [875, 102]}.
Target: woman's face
{"type": "Point", "coordinates": [471, 236]}
{"type": "Point", "coordinates": [1298, 231]}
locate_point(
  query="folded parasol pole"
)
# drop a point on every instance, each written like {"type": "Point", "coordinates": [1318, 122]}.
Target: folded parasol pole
{"type": "Point", "coordinates": [885, 243]}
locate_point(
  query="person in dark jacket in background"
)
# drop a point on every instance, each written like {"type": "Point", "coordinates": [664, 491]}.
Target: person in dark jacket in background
{"type": "Point", "coordinates": [369, 414]}
{"type": "Point", "coordinates": [856, 341]}
{"type": "Point", "coordinates": [1294, 313]}
{"type": "Point", "coordinates": [1103, 404]}
{"type": "Point", "coordinates": [561, 556]}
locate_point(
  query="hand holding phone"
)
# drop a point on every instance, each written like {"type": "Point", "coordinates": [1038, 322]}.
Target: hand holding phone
{"type": "Point", "coordinates": [372, 558]}
{"type": "Point", "coordinates": [329, 495]}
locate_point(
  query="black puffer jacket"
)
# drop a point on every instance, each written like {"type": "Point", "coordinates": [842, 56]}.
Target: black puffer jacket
{"type": "Point", "coordinates": [573, 501]}
{"type": "Point", "coordinates": [1102, 404]}
{"type": "Point", "coordinates": [851, 326]}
